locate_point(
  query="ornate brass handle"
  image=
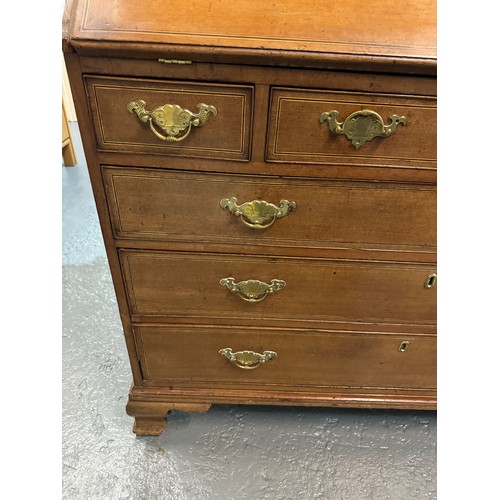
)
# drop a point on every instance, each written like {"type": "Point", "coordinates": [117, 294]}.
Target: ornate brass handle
{"type": "Point", "coordinates": [252, 290]}
{"type": "Point", "coordinates": [361, 126]}
{"type": "Point", "coordinates": [258, 214]}
{"type": "Point", "coordinates": [173, 120]}
{"type": "Point", "coordinates": [247, 360]}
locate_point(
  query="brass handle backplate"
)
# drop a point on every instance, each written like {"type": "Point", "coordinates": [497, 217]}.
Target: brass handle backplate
{"type": "Point", "coordinates": [174, 121]}
{"type": "Point", "coordinates": [258, 214]}
{"type": "Point", "coordinates": [361, 126]}
{"type": "Point", "coordinates": [247, 360]}
{"type": "Point", "coordinates": [252, 290]}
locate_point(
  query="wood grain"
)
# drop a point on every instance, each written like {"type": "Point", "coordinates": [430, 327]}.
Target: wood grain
{"type": "Point", "coordinates": [313, 142]}
{"type": "Point", "coordinates": [88, 139]}
{"type": "Point", "coordinates": [223, 136]}
{"type": "Point", "coordinates": [380, 29]}
{"type": "Point", "coordinates": [180, 206]}
{"type": "Point", "coordinates": [353, 397]}
{"type": "Point", "coordinates": [164, 283]}
{"type": "Point", "coordinates": [150, 417]}
{"type": "Point", "coordinates": [303, 359]}
{"type": "Point", "coordinates": [356, 251]}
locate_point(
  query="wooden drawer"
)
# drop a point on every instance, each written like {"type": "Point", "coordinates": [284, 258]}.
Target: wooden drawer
{"type": "Point", "coordinates": [297, 135]}
{"type": "Point", "coordinates": [173, 206]}
{"type": "Point", "coordinates": [191, 355]}
{"type": "Point", "coordinates": [224, 136]}
{"type": "Point", "coordinates": [188, 285]}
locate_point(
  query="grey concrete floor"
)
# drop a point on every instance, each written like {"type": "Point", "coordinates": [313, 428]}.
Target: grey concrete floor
{"type": "Point", "coordinates": [229, 452]}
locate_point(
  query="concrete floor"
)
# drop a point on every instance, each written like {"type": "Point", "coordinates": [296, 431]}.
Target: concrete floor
{"type": "Point", "coordinates": [230, 451]}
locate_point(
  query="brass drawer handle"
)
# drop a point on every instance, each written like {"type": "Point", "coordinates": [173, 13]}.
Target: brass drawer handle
{"type": "Point", "coordinates": [173, 120]}
{"type": "Point", "coordinates": [258, 214]}
{"type": "Point", "coordinates": [361, 126]}
{"type": "Point", "coordinates": [247, 360]}
{"type": "Point", "coordinates": [252, 290]}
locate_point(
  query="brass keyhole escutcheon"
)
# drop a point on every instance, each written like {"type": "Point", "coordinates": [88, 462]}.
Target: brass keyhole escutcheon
{"type": "Point", "coordinates": [404, 345]}
{"type": "Point", "coordinates": [430, 281]}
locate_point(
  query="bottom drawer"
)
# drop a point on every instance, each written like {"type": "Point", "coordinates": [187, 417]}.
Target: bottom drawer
{"type": "Point", "coordinates": [191, 356]}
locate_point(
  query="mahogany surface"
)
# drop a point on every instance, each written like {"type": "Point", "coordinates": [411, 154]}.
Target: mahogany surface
{"type": "Point", "coordinates": [338, 359]}
{"type": "Point", "coordinates": [313, 143]}
{"type": "Point", "coordinates": [233, 103]}
{"type": "Point", "coordinates": [181, 283]}
{"type": "Point", "coordinates": [356, 250]}
{"type": "Point", "coordinates": [328, 213]}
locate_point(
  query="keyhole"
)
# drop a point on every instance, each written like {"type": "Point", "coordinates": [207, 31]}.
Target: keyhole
{"type": "Point", "coordinates": [430, 281]}
{"type": "Point", "coordinates": [404, 345]}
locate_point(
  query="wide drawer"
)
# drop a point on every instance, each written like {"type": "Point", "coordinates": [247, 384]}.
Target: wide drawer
{"type": "Point", "coordinates": [178, 206]}
{"type": "Point", "coordinates": [189, 285]}
{"type": "Point", "coordinates": [296, 133]}
{"type": "Point", "coordinates": [192, 356]}
{"type": "Point", "coordinates": [224, 134]}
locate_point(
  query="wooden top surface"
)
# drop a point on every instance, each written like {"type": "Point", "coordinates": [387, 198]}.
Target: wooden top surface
{"type": "Point", "coordinates": [377, 28]}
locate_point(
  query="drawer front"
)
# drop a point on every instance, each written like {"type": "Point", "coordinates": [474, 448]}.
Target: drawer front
{"type": "Point", "coordinates": [307, 359]}
{"type": "Point", "coordinates": [225, 134]}
{"type": "Point", "coordinates": [174, 206]}
{"type": "Point", "coordinates": [296, 133]}
{"type": "Point", "coordinates": [184, 284]}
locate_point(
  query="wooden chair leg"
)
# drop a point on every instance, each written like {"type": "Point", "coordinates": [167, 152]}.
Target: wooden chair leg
{"type": "Point", "coordinates": [69, 156]}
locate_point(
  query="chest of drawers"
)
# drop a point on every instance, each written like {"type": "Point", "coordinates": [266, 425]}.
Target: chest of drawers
{"type": "Point", "coordinates": [265, 179]}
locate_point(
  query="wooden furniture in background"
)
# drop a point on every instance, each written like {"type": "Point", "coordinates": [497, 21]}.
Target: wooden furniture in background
{"type": "Point", "coordinates": [68, 148]}
{"type": "Point", "coordinates": [265, 178]}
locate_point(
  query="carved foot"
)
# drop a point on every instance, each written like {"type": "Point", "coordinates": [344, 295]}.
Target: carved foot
{"type": "Point", "coordinates": [150, 417]}
{"type": "Point", "coordinates": [149, 426]}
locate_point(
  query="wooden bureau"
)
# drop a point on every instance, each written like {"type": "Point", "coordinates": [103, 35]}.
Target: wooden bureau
{"type": "Point", "coordinates": [265, 179]}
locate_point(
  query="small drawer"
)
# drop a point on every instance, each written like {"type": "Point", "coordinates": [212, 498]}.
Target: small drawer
{"type": "Point", "coordinates": [220, 130]}
{"type": "Point", "coordinates": [297, 133]}
{"type": "Point", "coordinates": [276, 288]}
{"type": "Point", "coordinates": [192, 355]}
{"type": "Point", "coordinates": [165, 205]}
